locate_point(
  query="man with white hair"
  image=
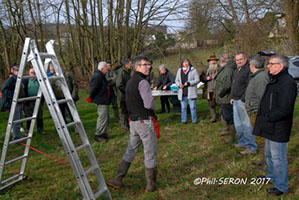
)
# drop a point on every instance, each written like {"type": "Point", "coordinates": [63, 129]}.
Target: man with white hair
{"type": "Point", "coordinates": [99, 94]}
{"type": "Point", "coordinates": [166, 78]}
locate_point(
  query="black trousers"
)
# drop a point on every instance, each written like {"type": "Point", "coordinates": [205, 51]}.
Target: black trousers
{"type": "Point", "coordinates": [227, 113]}
{"type": "Point", "coordinates": [164, 101]}
{"type": "Point", "coordinates": [29, 107]}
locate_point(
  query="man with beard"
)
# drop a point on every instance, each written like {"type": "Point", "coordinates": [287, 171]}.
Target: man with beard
{"type": "Point", "coordinates": [209, 78]}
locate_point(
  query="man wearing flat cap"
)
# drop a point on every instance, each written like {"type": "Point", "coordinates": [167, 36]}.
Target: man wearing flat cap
{"type": "Point", "coordinates": [208, 76]}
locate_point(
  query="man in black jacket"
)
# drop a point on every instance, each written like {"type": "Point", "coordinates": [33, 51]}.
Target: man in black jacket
{"type": "Point", "coordinates": [274, 122]}
{"type": "Point", "coordinates": [141, 106]}
{"type": "Point", "coordinates": [99, 94]}
{"type": "Point", "coordinates": [166, 78]}
{"type": "Point", "coordinates": [241, 119]}
{"type": "Point", "coordinates": [8, 89]}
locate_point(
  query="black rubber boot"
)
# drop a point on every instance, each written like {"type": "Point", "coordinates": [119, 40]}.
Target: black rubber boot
{"type": "Point", "coordinates": [116, 115]}
{"type": "Point", "coordinates": [122, 171]}
{"type": "Point", "coordinates": [225, 128]}
{"type": "Point", "coordinates": [231, 137]}
{"type": "Point", "coordinates": [151, 179]}
{"type": "Point", "coordinates": [213, 115]}
{"type": "Point", "coordinates": [124, 122]}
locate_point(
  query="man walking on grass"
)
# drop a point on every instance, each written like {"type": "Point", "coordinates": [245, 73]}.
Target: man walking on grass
{"type": "Point", "coordinates": [141, 106]}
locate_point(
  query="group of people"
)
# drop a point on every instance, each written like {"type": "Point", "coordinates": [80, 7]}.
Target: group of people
{"type": "Point", "coordinates": [29, 88]}
{"type": "Point", "coordinates": [252, 103]}
{"type": "Point", "coordinates": [258, 106]}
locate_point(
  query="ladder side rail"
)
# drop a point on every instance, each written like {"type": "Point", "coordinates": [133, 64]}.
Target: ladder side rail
{"type": "Point", "coordinates": [60, 124]}
{"type": "Point", "coordinates": [58, 121]}
{"type": "Point", "coordinates": [37, 106]}
{"type": "Point", "coordinates": [13, 106]}
{"type": "Point", "coordinates": [75, 115]}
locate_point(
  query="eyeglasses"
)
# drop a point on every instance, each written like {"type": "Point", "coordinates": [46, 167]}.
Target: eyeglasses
{"type": "Point", "coordinates": [145, 65]}
{"type": "Point", "coordinates": [271, 64]}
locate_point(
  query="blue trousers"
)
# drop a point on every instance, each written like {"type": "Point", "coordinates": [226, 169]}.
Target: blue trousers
{"type": "Point", "coordinates": [276, 157]}
{"type": "Point", "coordinates": [184, 105]}
{"type": "Point", "coordinates": [243, 126]}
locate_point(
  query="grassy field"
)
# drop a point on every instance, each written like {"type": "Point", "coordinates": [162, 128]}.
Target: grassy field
{"type": "Point", "coordinates": [185, 152]}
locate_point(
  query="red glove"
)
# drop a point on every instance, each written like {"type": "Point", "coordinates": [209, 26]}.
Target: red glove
{"type": "Point", "coordinates": [157, 128]}
{"type": "Point", "coordinates": [89, 100]}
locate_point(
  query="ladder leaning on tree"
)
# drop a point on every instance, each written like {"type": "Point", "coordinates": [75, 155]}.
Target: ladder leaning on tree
{"type": "Point", "coordinates": [40, 62]}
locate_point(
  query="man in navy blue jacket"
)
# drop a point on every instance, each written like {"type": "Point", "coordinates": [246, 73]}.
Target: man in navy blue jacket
{"type": "Point", "coordinates": [99, 94]}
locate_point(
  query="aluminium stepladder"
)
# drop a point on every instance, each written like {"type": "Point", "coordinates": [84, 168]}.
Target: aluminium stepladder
{"type": "Point", "coordinates": [31, 54]}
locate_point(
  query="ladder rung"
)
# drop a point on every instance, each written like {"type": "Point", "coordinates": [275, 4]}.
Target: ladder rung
{"type": "Point", "coordinates": [23, 120]}
{"type": "Point", "coordinates": [28, 77]}
{"type": "Point", "coordinates": [55, 77]}
{"type": "Point", "coordinates": [18, 140]}
{"type": "Point", "coordinates": [15, 159]}
{"type": "Point", "coordinates": [27, 99]}
{"type": "Point", "coordinates": [82, 147]}
{"type": "Point", "coordinates": [90, 170]}
{"type": "Point", "coordinates": [46, 55]}
{"type": "Point", "coordinates": [10, 178]}
{"type": "Point", "coordinates": [61, 101]}
{"type": "Point", "coordinates": [99, 193]}
{"type": "Point", "coordinates": [14, 182]}
{"type": "Point", "coordinates": [72, 124]}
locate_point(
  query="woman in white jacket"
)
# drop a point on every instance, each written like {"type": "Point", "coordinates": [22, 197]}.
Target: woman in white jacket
{"type": "Point", "coordinates": [187, 79]}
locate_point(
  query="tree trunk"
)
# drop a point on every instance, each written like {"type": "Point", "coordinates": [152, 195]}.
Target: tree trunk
{"type": "Point", "coordinates": [291, 9]}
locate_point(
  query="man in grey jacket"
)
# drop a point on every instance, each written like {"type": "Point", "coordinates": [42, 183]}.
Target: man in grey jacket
{"type": "Point", "coordinates": [254, 93]}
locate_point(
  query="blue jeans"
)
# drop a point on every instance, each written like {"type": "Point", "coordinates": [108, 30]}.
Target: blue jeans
{"type": "Point", "coordinates": [276, 157]}
{"type": "Point", "coordinates": [184, 105]}
{"type": "Point", "coordinates": [243, 126]}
